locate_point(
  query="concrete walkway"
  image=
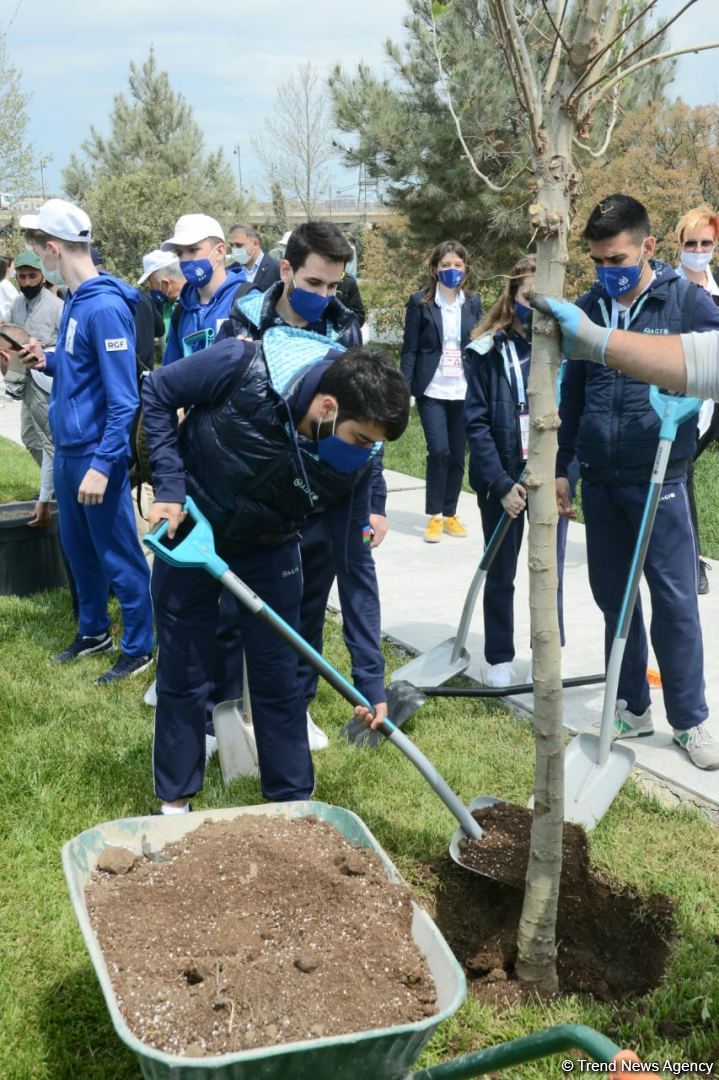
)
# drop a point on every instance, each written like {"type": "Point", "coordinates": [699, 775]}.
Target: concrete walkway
{"type": "Point", "coordinates": [423, 587]}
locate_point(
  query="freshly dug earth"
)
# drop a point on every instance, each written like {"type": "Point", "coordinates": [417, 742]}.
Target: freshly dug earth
{"type": "Point", "coordinates": [258, 931]}
{"type": "Point", "coordinates": [612, 942]}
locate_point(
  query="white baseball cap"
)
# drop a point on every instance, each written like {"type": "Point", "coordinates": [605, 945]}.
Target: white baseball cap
{"type": "Point", "coordinates": [155, 260]}
{"type": "Point", "coordinates": [60, 219]}
{"type": "Point", "coordinates": [190, 229]}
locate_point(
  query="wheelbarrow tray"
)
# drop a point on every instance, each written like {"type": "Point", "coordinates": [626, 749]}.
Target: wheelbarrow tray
{"type": "Point", "coordinates": [382, 1054]}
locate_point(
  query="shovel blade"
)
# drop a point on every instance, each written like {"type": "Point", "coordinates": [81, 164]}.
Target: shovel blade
{"type": "Point", "coordinates": [235, 741]}
{"type": "Point", "coordinates": [479, 802]}
{"type": "Point", "coordinates": [434, 667]}
{"type": "Point", "coordinates": [589, 788]}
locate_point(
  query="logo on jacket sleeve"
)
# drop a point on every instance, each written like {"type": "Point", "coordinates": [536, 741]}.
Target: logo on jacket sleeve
{"type": "Point", "coordinates": [70, 336]}
{"type": "Point", "coordinates": [118, 344]}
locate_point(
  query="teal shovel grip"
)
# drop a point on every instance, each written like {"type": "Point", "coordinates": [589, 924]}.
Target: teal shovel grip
{"type": "Point", "coordinates": [672, 410]}
{"type": "Point", "coordinates": [196, 550]}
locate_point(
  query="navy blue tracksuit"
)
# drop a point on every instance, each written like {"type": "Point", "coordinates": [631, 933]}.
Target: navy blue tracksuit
{"type": "Point", "coordinates": [607, 418]}
{"type": "Point", "coordinates": [491, 417]}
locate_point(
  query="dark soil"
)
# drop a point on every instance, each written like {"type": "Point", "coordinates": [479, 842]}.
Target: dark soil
{"type": "Point", "coordinates": [257, 931]}
{"type": "Point", "coordinates": [612, 942]}
{"type": "Point", "coordinates": [17, 514]}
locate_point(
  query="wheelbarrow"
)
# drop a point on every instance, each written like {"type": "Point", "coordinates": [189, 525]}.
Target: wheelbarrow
{"type": "Point", "coordinates": [387, 1053]}
{"type": "Point", "coordinates": [595, 768]}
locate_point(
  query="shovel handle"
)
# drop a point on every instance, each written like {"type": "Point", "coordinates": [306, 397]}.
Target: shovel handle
{"type": "Point", "coordinates": [672, 410]}
{"type": "Point", "coordinates": [197, 549]}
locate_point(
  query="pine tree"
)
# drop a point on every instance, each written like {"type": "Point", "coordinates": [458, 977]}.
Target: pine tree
{"type": "Point", "coordinates": [149, 170]}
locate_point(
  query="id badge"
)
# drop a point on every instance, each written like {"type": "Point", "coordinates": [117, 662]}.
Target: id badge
{"type": "Point", "coordinates": [451, 364]}
{"type": "Point", "coordinates": [524, 429]}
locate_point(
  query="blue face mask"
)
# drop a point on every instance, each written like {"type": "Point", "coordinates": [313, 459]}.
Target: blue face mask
{"type": "Point", "coordinates": [308, 305]}
{"type": "Point", "coordinates": [197, 271]}
{"type": "Point", "coordinates": [523, 312]}
{"type": "Point", "coordinates": [618, 280]}
{"type": "Point", "coordinates": [451, 278]}
{"type": "Point", "coordinates": [157, 295]}
{"type": "Point", "coordinates": [341, 456]}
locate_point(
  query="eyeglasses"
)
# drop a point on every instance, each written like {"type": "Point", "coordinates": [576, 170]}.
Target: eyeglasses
{"type": "Point", "coordinates": [692, 245]}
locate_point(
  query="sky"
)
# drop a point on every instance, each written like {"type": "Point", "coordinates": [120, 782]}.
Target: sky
{"type": "Point", "coordinates": [228, 57]}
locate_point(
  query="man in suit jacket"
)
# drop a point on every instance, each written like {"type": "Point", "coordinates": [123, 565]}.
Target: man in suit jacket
{"type": "Point", "coordinates": [261, 270]}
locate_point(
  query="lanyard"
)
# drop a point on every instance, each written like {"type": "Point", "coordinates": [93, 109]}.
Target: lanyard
{"type": "Point", "coordinates": [511, 358]}
{"type": "Point", "coordinates": [630, 313]}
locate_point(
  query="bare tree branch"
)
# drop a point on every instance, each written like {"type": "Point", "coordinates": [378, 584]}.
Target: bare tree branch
{"type": "Point", "coordinates": [522, 15]}
{"type": "Point", "coordinates": [643, 63]}
{"type": "Point", "coordinates": [555, 57]}
{"type": "Point", "coordinates": [458, 127]}
{"type": "Point", "coordinates": [638, 49]}
{"type": "Point", "coordinates": [555, 27]}
{"type": "Point", "coordinates": [523, 69]}
{"type": "Point", "coordinates": [610, 128]}
{"type": "Point", "coordinates": [605, 48]}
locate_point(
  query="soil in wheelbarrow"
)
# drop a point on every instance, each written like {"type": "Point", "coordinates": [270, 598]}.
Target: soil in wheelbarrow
{"type": "Point", "coordinates": [612, 942]}
{"type": "Point", "coordinates": [258, 931]}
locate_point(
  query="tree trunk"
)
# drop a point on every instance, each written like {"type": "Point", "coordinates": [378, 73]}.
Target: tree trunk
{"type": "Point", "coordinates": [536, 961]}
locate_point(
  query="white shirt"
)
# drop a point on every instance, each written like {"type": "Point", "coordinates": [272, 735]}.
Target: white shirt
{"type": "Point", "coordinates": [443, 387]}
{"type": "Point", "coordinates": [251, 274]}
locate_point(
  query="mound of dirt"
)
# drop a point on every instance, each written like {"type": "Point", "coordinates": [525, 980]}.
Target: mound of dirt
{"type": "Point", "coordinates": [258, 931]}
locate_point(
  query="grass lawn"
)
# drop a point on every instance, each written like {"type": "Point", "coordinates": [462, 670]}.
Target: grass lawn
{"type": "Point", "coordinates": [75, 755]}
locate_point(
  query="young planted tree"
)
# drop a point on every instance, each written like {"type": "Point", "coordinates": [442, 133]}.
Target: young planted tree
{"type": "Point", "coordinates": [297, 146]}
{"type": "Point", "coordinates": [567, 59]}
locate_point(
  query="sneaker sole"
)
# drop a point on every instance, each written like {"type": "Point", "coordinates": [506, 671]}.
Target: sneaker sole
{"type": "Point", "coordinates": [431, 539]}
{"type": "Point", "coordinates": [455, 535]}
{"type": "Point", "coordinates": [107, 646]}
{"type": "Point", "coordinates": [632, 735]}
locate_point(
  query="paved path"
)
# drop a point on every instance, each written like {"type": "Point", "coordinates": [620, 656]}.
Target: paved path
{"type": "Point", "coordinates": [423, 587]}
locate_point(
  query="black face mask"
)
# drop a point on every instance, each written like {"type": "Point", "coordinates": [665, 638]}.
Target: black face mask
{"type": "Point", "coordinates": [31, 291]}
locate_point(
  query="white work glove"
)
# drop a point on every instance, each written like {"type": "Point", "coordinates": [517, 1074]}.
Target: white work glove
{"type": "Point", "coordinates": [581, 338]}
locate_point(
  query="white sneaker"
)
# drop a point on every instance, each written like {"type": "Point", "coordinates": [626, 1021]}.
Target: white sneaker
{"type": "Point", "coordinates": [210, 747]}
{"type": "Point", "coordinates": [702, 748]}
{"type": "Point", "coordinates": [150, 697]}
{"type": "Point", "coordinates": [627, 725]}
{"type": "Point", "coordinates": [316, 737]}
{"type": "Point", "coordinates": [499, 675]}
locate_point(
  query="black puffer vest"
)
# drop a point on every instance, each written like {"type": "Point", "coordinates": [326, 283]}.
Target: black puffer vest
{"type": "Point", "coordinates": [248, 470]}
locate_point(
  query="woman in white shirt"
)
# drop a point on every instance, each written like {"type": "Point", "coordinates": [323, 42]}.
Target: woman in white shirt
{"type": "Point", "coordinates": [438, 322]}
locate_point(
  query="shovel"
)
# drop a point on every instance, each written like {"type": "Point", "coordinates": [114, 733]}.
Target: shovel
{"type": "Point", "coordinates": [594, 768]}
{"type": "Point", "coordinates": [236, 746]}
{"type": "Point", "coordinates": [197, 549]}
{"type": "Point", "coordinates": [450, 657]}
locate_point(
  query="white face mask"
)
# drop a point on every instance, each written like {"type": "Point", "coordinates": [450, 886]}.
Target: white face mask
{"type": "Point", "coordinates": [242, 255]}
{"type": "Point", "coordinates": [696, 260]}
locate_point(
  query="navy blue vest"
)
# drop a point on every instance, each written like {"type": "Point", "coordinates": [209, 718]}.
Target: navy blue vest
{"type": "Point", "coordinates": [252, 475]}
{"type": "Point", "coordinates": [619, 430]}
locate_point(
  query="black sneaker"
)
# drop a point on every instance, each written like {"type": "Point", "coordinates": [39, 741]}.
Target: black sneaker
{"type": "Point", "coordinates": [84, 646]}
{"type": "Point", "coordinates": [124, 667]}
{"type": "Point", "coordinates": [703, 580]}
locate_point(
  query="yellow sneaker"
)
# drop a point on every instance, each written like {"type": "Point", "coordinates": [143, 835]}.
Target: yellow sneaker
{"type": "Point", "coordinates": [454, 526]}
{"type": "Point", "coordinates": [433, 532]}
